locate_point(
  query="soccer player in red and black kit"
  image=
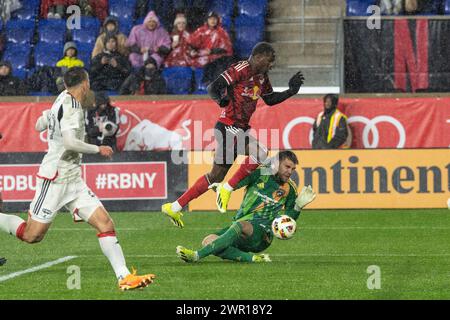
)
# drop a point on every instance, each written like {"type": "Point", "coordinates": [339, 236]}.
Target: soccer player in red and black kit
{"type": "Point", "coordinates": [237, 91]}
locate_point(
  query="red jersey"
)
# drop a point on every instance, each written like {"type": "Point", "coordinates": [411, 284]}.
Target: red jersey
{"type": "Point", "coordinates": [244, 90]}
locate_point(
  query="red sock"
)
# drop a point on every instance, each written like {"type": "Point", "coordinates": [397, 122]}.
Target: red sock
{"type": "Point", "coordinates": [247, 167]}
{"type": "Point", "coordinates": [199, 188]}
{"type": "Point", "coordinates": [21, 230]}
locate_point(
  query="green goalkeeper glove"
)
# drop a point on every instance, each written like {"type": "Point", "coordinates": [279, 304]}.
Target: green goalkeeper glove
{"type": "Point", "coordinates": [307, 195]}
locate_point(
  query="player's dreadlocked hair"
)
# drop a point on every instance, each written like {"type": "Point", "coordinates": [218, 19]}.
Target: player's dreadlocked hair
{"type": "Point", "coordinates": [74, 76]}
{"type": "Point", "coordinates": [264, 48]}
{"type": "Point", "coordinates": [287, 154]}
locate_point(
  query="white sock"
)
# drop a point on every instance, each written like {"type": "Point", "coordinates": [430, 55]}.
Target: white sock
{"type": "Point", "coordinates": [9, 223]}
{"type": "Point", "coordinates": [176, 206]}
{"type": "Point", "coordinates": [227, 187]}
{"type": "Point", "coordinates": [113, 251]}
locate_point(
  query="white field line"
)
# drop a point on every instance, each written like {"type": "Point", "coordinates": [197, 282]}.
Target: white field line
{"type": "Point", "coordinates": [37, 268]}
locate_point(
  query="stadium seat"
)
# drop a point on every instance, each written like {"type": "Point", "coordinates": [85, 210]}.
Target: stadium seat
{"type": "Point", "coordinates": [125, 25]}
{"type": "Point", "coordinates": [358, 7]}
{"type": "Point", "coordinates": [85, 56]}
{"type": "Point", "coordinates": [19, 36]}
{"type": "Point", "coordinates": [252, 8]}
{"type": "Point", "coordinates": [45, 55]}
{"type": "Point", "coordinates": [52, 31]}
{"type": "Point", "coordinates": [200, 86]}
{"type": "Point", "coordinates": [19, 57]}
{"type": "Point", "coordinates": [433, 8]}
{"type": "Point", "coordinates": [178, 80]}
{"type": "Point", "coordinates": [85, 35]}
{"type": "Point", "coordinates": [122, 8]}
{"type": "Point", "coordinates": [245, 21]}
{"type": "Point", "coordinates": [222, 7]}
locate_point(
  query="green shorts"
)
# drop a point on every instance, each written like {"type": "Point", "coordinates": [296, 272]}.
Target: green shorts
{"type": "Point", "coordinates": [259, 241]}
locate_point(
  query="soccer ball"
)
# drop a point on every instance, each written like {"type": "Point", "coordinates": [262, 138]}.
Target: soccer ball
{"type": "Point", "coordinates": [284, 227]}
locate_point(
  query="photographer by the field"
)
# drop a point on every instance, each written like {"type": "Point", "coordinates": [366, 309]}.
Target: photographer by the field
{"type": "Point", "coordinates": [102, 123]}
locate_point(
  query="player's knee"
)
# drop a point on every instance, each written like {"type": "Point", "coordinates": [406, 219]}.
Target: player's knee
{"type": "Point", "coordinates": [208, 239]}
{"type": "Point", "coordinates": [215, 177]}
{"type": "Point", "coordinates": [32, 238]}
{"type": "Point", "coordinates": [106, 225]}
{"type": "Point", "coordinates": [246, 227]}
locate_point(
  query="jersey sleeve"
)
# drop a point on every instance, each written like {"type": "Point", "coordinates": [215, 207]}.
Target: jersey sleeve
{"type": "Point", "coordinates": [267, 86]}
{"type": "Point", "coordinates": [236, 73]}
{"type": "Point", "coordinates": [70, 115]}
{"type": "Point", "coordinates": [290, 202]}
{"type": "Point", "coordinates": [250, 179]}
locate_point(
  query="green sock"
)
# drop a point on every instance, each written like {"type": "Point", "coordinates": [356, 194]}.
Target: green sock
{"type": "Point", "coordinates": [222, 242]}
{"type": "Point", "coordinates": [232, 253]}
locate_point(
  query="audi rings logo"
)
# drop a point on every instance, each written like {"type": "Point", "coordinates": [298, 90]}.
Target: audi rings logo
{"type": "Point", "coordinates": [370, 127]}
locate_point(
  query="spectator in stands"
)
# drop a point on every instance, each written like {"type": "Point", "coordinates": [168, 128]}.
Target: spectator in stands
{"type": "Point", "coordinates": [147, 81]}
{"type": "Point", "coordinates": [10, 85]}
{"type": "Point", "coordinates": [148, 40]}
{"type": "Point", "coordinates": [211, 44]}
{"type": "Point", "coordinates": [391, 7]}
{"type": "Point", "coordinates": [70, 58]}
{"type": "Point", "coordinates": [7, 7]}
{"type": "Point", "coordinates": [111, 28]}
{"type": "Point", "coordinates": [102, 122]}
{"type": "Point", "coordinates": [331, 130]}
{"type": "Point", "coordinates": [57, 8]}
{"type": "Point", "coordinates": [179, 56]}
{"type": "Point", "coordinates": [109, 69]}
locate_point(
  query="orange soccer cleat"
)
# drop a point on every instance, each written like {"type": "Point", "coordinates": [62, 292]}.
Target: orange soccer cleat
{"type": "Point", "coordinates": [133, 281]}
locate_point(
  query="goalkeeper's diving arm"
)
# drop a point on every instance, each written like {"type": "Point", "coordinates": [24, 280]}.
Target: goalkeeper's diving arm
{"type": "Point", "coordinates": [73, 144]}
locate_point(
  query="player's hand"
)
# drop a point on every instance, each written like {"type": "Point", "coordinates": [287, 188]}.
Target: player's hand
{"type": "Point", "coordinates": [106, 151]}
{"type": "Point", "coordinates": [296, 82]}
{"type": "Point", "coordinates": [306, 196]}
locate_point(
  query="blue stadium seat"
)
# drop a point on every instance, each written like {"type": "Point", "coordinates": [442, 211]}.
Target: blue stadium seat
{"type": "Point", "coordinates": [446, 6]}
{"type": "Point", "coordinates": [85, 35]}
{"type": "Point", "coordinates": [222, 7]}
{"type": "Point", "coordinates": [245, 21]}
{"type": "Point", "coordinates": [122, 8]}
{"type": "Point", "coordinates": [19, 57]}
{"type": "Point", "coordinates": [433, 8]}
{"type": "Point", "coordinates": [125, 25]}
{"type": "Point", "coordinates": [90, 23]}
{"type": "Point", "coordinates": [52, 31]}
{"type": "Point", "coordinates": [252, 8]}
{"type": "Point", "coordinates": [200, 86]}
{"type": "Point", "coordinates": [358, 7]}
{"type": "Point", "coordinates": [19, 24]}
{"type": "Point", "coordinates": [178, 80]}
{"type": "Point", "coordinates": [46, 55]}
{"type": "Point", "coordinates": [19, 35]}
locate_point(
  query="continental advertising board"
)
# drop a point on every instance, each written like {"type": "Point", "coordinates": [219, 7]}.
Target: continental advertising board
{"type": "Point", "coordinates": [350, 179]}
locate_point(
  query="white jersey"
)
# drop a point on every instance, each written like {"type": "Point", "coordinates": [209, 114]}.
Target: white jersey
{"type": "Point", "coordinates": [59, 164]}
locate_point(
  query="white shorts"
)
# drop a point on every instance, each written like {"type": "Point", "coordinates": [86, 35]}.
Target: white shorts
{"type": "Point", "coordinates": [50, 197]}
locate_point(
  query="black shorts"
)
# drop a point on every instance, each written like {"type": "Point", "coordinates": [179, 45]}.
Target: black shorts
{"type": "Point", "coordinates": [231, 142]}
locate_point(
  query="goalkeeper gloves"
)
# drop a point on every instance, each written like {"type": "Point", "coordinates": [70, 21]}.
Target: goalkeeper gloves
{"type": "Point", "coordinates": [296, 82]}
{"type": "Point", "coordinates": [307, 195]}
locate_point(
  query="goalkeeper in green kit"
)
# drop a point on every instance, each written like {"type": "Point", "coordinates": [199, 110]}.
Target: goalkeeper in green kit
{"type": "Point", "coordinates": [251, 233]}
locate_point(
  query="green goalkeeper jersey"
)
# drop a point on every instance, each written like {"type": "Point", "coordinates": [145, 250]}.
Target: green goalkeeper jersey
{"type": "Point", "coordinates": [265, 196]}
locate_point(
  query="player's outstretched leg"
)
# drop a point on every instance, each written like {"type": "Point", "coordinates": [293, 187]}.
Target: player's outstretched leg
{"type": "Point", "coordinates": [12, 224]}
{"type": "Point", "coordinates": [218, 245]}
{"type": "Point", "coordinates": [111, 248]}
{"type": "Point", "coordinates": [30, 232]}
{"type": "Point", "coordinates": [173, 209]}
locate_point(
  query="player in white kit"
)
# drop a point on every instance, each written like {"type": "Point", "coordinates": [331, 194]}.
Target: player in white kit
{"type": "Point", "coordinates": [59, 182]}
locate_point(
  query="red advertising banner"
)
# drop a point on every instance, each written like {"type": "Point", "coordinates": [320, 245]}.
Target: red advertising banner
{"type": "Point", "coordinates": [109, 181]}
{"type": "Point", "coordinates": [175, 124]}
{"type": "Point", "coordinates": [127, 180]}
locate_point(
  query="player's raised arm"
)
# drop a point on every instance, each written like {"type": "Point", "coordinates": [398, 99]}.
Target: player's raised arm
{"type": "Point", "coordinates": [296, 203]}
{"type": "Point", "coordinates": [273, 98]}
{"type": "Point", "coordinates": [218, 92]}
{"type": "Point", "coordinates": [42, 121]}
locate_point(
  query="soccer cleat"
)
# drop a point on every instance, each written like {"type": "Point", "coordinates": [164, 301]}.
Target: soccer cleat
{"type": "Point", "coordinates": [187, 255]}
{"type": "Point", "coordinates": [222, 198]}
{"type": "Point", "coordinates": [261, 258]}
{"type": "Point", "coordinates": [175, 217]}
{"type": "Point", "coordinates": [2, 261]}
{"type": "Point", "coordinates": [133, 281]}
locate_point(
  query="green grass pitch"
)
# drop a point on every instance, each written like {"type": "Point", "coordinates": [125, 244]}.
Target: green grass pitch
{"type": "Point", "coordinates": [327, 259]}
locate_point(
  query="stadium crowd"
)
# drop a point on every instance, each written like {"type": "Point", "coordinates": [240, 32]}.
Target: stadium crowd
{"type": "Point", "coordinates": [139, 48]}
